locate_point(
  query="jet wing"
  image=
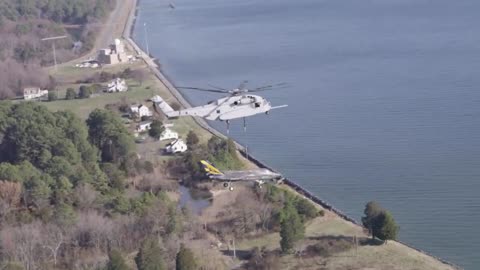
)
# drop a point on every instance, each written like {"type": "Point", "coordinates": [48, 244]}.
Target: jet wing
{"type": "Point", "coordinates": [248, 175]}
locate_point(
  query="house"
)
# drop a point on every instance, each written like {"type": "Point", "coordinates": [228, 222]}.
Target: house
{"type": "Point", "coordinates": [177, 146]}
{"type": "Point", "coordinates": [34, 93]}
{"type": "Point", "coordinates": [144, 126]}
{"type": "Point", "coordinates": [140, 110]}
{"type": "Point", "coordinates": [168, 134]}
{"type": "Point", "coordinates": [114, 54]}
{"type": "Point", "coordinates": [117, 85]}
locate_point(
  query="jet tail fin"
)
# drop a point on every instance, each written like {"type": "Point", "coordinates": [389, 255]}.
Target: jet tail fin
{"type": "Point", "coordinates": [163, 105]}
{"type": "Point", "coordinates": [209, 168]}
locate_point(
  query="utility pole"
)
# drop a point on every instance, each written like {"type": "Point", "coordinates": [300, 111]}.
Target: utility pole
{"type": "Point", "coordinates": [146, 38]}
{"type": "Point", "coordinates": [53, 47]}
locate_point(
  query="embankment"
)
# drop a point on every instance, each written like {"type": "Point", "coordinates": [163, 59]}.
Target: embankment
{"type": "Point", "coordinates": [155, 69]}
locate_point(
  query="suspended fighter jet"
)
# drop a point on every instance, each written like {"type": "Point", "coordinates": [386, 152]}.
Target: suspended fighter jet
{"type": "Point", "coordinates": [259, 176]}
{"type": "Point", "coordinates": [239, 104]}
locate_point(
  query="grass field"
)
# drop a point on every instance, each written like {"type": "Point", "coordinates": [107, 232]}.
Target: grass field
{"type": "Point", "coordinates": [391, 256]}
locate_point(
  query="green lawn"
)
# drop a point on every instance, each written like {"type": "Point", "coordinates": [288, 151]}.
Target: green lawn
{"type": "Point", "coordinates": [83, 107]}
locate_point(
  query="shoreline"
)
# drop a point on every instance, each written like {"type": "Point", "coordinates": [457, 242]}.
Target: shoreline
{"type": "Point", "coordinates": [156, 70]}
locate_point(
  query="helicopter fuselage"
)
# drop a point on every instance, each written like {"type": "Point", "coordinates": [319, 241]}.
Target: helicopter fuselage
{"type": "Point", "coordinates": [228, 108]}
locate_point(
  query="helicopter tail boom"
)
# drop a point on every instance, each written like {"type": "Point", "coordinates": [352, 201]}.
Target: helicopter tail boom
{"type": "Point", "coordinates": [279, 107]}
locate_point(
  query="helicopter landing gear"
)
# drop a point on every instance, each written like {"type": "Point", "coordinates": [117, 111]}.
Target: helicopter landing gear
{"type": "Point", "coordinates": [228, 185]}
{"type": "Point", "coordinates": [245, 131]}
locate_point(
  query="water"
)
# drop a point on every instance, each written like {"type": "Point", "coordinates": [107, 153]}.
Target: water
{"type": "Point", "coordinates": [384, 101]}
{"type": "Point", "coordinates": [188, 198]}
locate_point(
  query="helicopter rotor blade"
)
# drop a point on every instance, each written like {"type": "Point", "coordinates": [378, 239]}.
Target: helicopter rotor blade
{"type": "Point", "coordinates": [203, 89]}
{"type": "Point", "coordinates": [270, 87]}
{"type": "Point", "coordinates": [218, 88]}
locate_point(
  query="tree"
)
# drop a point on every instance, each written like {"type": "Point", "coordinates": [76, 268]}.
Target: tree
{"type": "Point", "coordinates": [71, 94]}
{"type": "Point", "coordinates": [116, 261]}
{"type": "Point", "coordinates": [156, 129]}
{"type": "Point", "coordinates": [149, 256]}
{"type": "Point", "coordinates": [291, 227]}
{"type": "Point", "coordinates": [379, 222]}
{"type": "Point", "coordinates": [192, 139]}
{"type": "Point", "coordinates": [52, 95]}
{"type": "Point", "coordinates": [388, 227]}
{"type": "Point", "coordinates": [10, 196]}
{"type": "Point", "coordinates": [107, 132]}
{"type": "Point", "coordinates": [84, 92]}
{"type": "Point", "coordinates": [185, 259]}
{"type": "Point", "coordinates": [370, 220]}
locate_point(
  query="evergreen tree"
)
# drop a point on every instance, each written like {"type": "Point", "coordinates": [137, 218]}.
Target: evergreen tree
{"type": "Point", "coordinates": [156, 129]}
{"type": "Point", "coordinates": [370, 220]}
{"type": "Point", "coordinates": [150, 256]}
{"type": "Point", "coordinates": [185, 259]}
{"type": "Point", "coordinates": [107, 132]}
{"type": "Point", "coordinates": [173, 224]}
{"type": "Point", "coordinates": [291, 227]}
{"type": "Point", "coordinates": [116, 261]}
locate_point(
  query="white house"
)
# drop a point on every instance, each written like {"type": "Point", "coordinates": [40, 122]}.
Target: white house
{"type": "Point", "coordinates": [168, 134]}
{"type": "Point", "coordinates": [177, 146]}
{"type": "Point", "coordinates": [33, 93]}
{"type": "Point", "coordinates": [144, 126]}
{"type": "Point", "coordinates": [117, 85]}
{"type": "Point", "coordinates": [141, 110]}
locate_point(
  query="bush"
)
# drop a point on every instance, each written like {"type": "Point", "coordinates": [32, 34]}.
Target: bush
{"type": "Point", "coordinates": [185, 259]}
{"type": "Point", "coordinates": [71, 94]}
{"type": "Point", "coordinates": [116, 261]}
{"type": "Point", "coordinates": [149, 257]}
{"type": "Point", "coordinates": [52, 95]}
{"type": "Point", "coordinates": [306, 209]}
{"type": "Point", "coordinates": [84, 92]}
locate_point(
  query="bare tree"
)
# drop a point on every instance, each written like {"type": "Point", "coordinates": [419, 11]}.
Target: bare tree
{"type": "Point", "coordinates": [93, 231]}
{"type": "Point", "coordinates": [10, 195]}
{"type": "Point", "coordinates": [53, 239]}
{"type": "Point", "coordinates": [85, 196]}
{"type": "Point", "coordinates": [23, 244]}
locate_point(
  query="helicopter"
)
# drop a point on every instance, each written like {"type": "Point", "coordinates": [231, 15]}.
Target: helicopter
{"type": "Point", "coordinates": [238, 103]}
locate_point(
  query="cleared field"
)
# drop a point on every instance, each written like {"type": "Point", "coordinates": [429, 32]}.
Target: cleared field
{"type": "Point", "coordinates": [390, 256]}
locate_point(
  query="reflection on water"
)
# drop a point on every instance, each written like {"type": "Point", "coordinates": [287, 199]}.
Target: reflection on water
{"type": "Point", "coordinates": [194, 199]}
